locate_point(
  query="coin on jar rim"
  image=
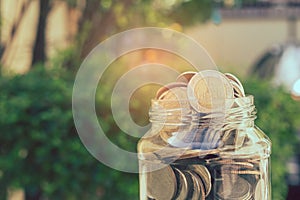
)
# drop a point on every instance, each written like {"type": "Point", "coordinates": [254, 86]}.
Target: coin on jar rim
{"type": "Point", "coordinates": [238, 90]}
{"type": "Point", "coordinates": [182, 189]}
{"type": "Point", "coordinates": [208, 91]}
{"type": "Point", "coordinates": [161, 184]}
{"type": "Point", "coordinates": [185, 77]}
{"type": "Point", "coordinates": [204, 175]}
{"type": "Point", "coordinates": [163, 91]}
{"type": "Point", "coordinates": [260, 190]}
{"type": "Point", "coordinates": [235, 79]}
{"type": "Point", "coordinates": [173, 96]}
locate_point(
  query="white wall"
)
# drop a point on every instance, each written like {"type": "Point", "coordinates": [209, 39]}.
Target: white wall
{"type": "Point", "coordinates": [236, 44]}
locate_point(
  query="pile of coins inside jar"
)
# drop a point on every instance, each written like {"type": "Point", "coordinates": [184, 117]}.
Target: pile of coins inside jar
{"type": "Point", "coordinates": [224, 155]}
{"type": "Point", "coordinates": [202, 98]}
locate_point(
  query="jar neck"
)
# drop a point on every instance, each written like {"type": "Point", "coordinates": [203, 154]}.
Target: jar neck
{"type": "Point", "coordinates": [241, 114]}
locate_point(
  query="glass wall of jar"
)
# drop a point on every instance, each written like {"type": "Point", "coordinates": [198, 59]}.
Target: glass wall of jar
{"type": "Point", "coordinates": [217, 155]}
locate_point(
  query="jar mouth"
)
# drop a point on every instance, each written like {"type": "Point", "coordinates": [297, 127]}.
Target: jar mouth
{"type": "Point", "coordinates": [193, 105]}
{"type": "Point", "coordinates": [180, 125]}
{"type": "Point", "coordinates": [180, 112]}
{"type": "Point", "coordinates": [248, 98]}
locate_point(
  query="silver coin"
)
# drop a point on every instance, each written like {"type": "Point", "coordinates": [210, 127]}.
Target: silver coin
{"type": "Point", "coordinates": [173, 106]}
{"type": "Point", "coordinates": [238, 90]}
{"type": "Point", "coordinates": [243, 164]}
{"type": "Point", "coordinates": [208, 91]}
{"type": "Point", "coordinates": [211, 139]}
{"type": "Point", "coordinates": [204, 175]}
{"type": "Point", "coordinates": [232, 187]}
{"type": "Point", "coordinates": [247, 151]}
{"type": "Point", "coordinates": [235, 79]}
{"type": "Point", "coordinates": [185, 77]}
{"type": "Point", "coordinates": [182, 189]}
{"type": "Point", "coordinates": [168, 92]}
{"type": "Point", "coordinates": [173, 102]}
{"type": "Point", "coordinates": [241, 168]}
{"type": "Point", "coordinates": [196, 188]}
{"type": "Point", "coordinates": [161, 184]}
{"type": "Point", "coordinates": [193, 153]}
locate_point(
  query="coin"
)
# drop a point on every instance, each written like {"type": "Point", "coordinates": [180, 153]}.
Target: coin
{"type": "Point", "coordinates": [232, 188]}
{"type": "Point", "coordinates": [182, 189]}
{"type": "Point", "coordinates": [255, 150]}
{"type": "Point", "coordinates": [185, 77]}
{"type": "Point", "coordinates": [173, 108]}
{"type": "Point", "coordinates": [243, 164]}
{"type": "Point", "coordinates": [161, 184]}
{"type": "Point", "coordinates": [208, 90]}
{"type": "Point", "coordinates": [235, 79]}
{"type": "Point", "coordinates": [238, 90]}
{"type": "Point", "coordinates": [173, 97]}
{"type": "Point", "coordinates": [168, 91]}
{"type": "Point", "coordinates": [238, 169]}
{"type": "Point", "coordinates": [260, 190]}
{"type": "Point", "coordinates": [196, 153]}
{"type": "Point", "coordinates": [211, 139]}
{"type": "Point", "coordinates": [190, 184]}
{"type": "Point", "coordinates": [204, 175]}
{"type": "Point", "coordinates": [197, 191]}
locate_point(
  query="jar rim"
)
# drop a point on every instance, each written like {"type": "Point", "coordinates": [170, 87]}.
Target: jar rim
{"type": "Point", "coordinates": [248, 96]}
{"type": "Point", "coordinates": [245, 100]}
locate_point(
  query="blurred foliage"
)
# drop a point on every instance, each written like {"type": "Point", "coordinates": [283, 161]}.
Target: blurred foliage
{"type": "Point", "coordinates": [117, 16]}
{"type": "Point", "coordinates": [278, 117]}
{"type": "Point", "coordinates": [40, 150]}
{"type": "Point", "coordinates": [191, 12]}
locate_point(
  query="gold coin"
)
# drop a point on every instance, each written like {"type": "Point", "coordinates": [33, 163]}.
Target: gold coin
{"type": "Point", "coordinates": [208, 91]}
{"type": "Point", "coordinates": [204, 175]}
{"type": "Point", "coordinates": [185, 77]}
{"type": "Point", "coordinates": [161, 184]}
{"type": "Point", "coordinates": [260, 190]}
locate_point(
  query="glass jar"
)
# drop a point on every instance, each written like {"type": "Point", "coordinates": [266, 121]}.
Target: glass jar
{"type": "Point", "coordinates": [217, 155]}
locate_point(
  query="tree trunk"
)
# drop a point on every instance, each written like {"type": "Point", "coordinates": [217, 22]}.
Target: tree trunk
{"type": "Point", "coordinates": [39, 47]}
{"type": "Point", "coordinates": [102, 23]}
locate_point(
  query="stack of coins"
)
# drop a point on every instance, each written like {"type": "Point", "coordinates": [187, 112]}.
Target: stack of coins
{"type": "Point", "coordinates": [218, 162]}
{"type": "Point", "coordinates": [206, 95]}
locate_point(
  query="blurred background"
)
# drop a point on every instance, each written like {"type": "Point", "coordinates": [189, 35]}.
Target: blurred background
{"type": "Point", "coordinates": [43, 42]}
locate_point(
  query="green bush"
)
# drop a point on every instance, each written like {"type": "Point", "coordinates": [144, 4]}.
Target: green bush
{"type": "Point", "coordinates": [278, 117]}
{"type": "Point", "coordinates": [40, 150]}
